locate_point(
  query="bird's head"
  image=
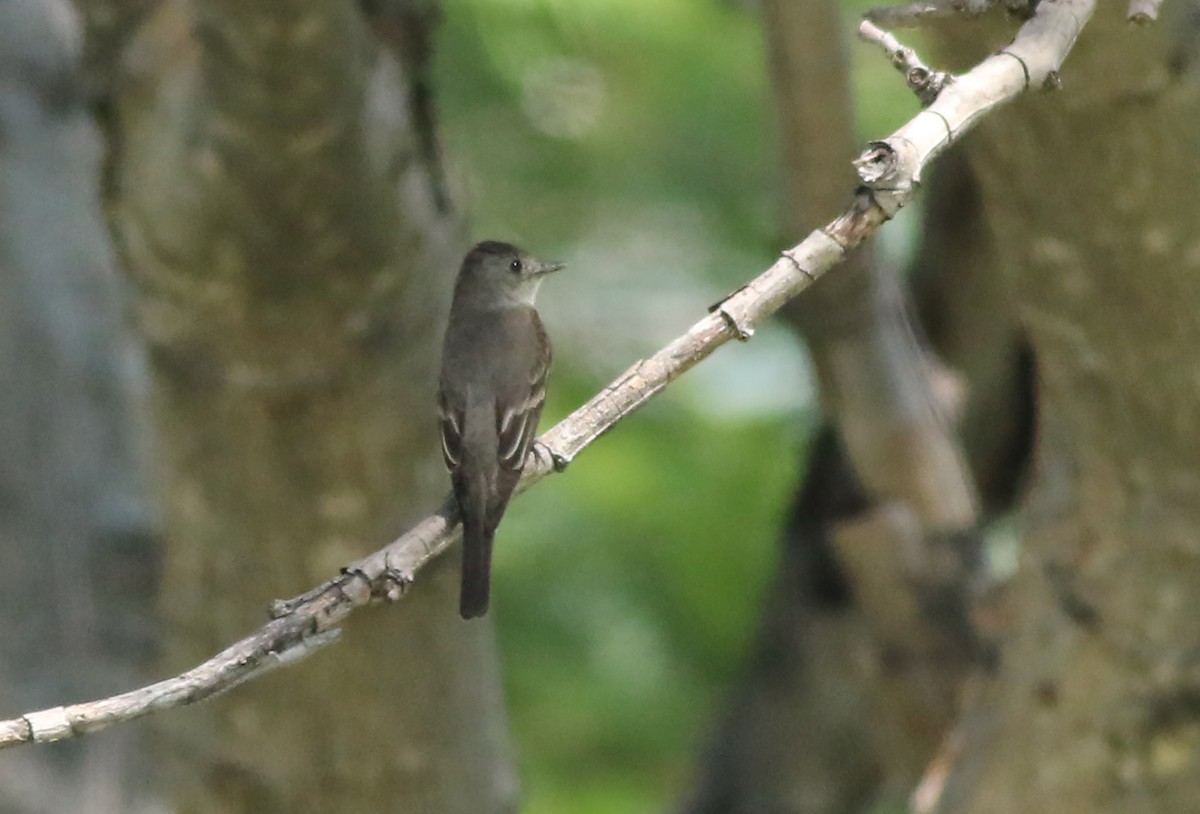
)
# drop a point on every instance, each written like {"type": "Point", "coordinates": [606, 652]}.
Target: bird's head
{"type": "Point", "coordinates": [498, 275]}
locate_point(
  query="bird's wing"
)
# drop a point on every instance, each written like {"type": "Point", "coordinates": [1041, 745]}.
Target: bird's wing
{"type": "Point", "coordinates": [516, 423]}
{"type": "Point", "coordinates": [450, 422]}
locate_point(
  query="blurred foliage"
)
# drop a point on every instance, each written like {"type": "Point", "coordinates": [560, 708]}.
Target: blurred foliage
{"type": "Point", "coordinates": [635, 139]}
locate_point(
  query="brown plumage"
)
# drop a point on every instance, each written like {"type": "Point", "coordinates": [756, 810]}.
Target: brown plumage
{"type": "Point", "coordinates": [492, 389]}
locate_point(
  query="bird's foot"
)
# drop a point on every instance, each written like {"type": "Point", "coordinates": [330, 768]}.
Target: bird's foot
{"type": "Point", "coordinates": [544, 453]}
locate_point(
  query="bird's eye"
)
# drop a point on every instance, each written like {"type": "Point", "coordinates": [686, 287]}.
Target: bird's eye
{"type": "Point", "coordinates": [515, 266]}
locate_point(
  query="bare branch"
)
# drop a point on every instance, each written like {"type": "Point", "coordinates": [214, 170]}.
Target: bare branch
{"type": "Point", "coordinates": [891, 169]}
{"type": "Point", "coordinates": [893, 166]}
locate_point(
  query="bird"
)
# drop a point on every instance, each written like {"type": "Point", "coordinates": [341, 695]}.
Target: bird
{"type": "Point", "coordinates": [491, 391]}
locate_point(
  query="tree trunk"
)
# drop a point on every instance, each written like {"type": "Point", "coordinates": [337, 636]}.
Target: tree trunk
{"type": "Point", "coordinates": [865, 640]}
{"type": "Point", "coordinates": [78, 558]}
{"type": "Point", "coordinates": [1092, 194]}
{"type": "Point", "coordinates": [278, 211]}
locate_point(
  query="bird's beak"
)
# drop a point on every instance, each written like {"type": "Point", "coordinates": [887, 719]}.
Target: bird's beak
{"type": "Point", "coordinates": [547, 268]}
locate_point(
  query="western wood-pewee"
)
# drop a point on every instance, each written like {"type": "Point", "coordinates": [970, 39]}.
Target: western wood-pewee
{"type": "Point", "coordinates": [492, 389]}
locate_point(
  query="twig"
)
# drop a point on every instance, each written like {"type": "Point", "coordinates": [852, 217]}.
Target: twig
{"type": "Point", "coordinates": [914, 14]}
{"type": "Point", "coordinates": [890, 169]}
{"type": "Point", "coordinates": [1144, 12]}
{"type": "Point", "coordinates": [920, 78]}
{"type": "Point", "coordinates": [928, 792]}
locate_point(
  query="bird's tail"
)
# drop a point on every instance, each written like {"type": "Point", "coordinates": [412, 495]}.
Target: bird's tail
{"type": "Point", "coordinates": [476, 571]}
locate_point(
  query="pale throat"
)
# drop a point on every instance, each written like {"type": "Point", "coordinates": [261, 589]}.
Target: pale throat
{"type": "Point", "coordinates": [521, 294]}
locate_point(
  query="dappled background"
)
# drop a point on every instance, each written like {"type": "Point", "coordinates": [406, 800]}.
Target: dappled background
{"type": "Point", "coordinates": [228, 233]}
{"type": "Point", "coordinates": [163, 475]}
